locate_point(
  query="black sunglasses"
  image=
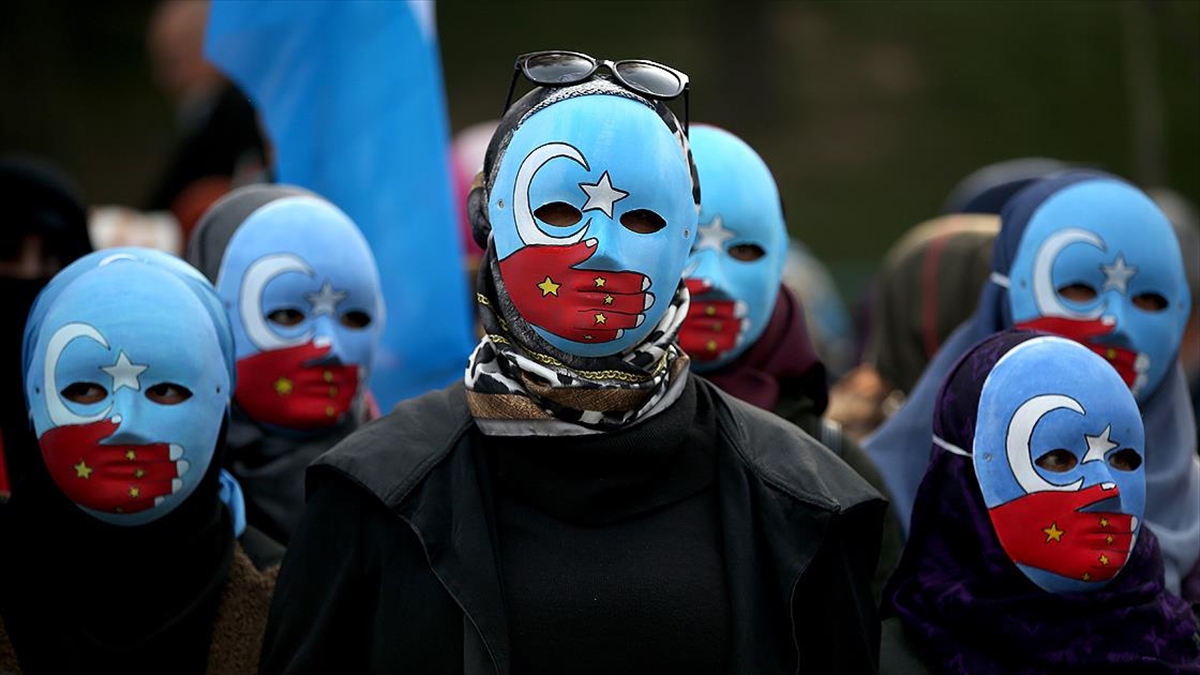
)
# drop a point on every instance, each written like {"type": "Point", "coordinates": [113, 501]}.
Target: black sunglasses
{"type": "Point", "coordinates": [558, 68]}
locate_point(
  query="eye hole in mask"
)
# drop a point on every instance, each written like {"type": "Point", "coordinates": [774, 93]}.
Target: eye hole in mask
{"type": "Point", "coordinates": [1150, 302]}
{"type": "Point", "coordinates": [1078, 292]}
{"type": "Point", "coordinates": [286, 317]}
{"type": "Point", "coordinates": [559, 214]}
{"type": "Point", "coordinates": [355, 319]}
{"type": "Point", "coordinates": [1058, 461]}
{"type": "Point", "coordinates": [642, 221]}
{"type": "Point", "coordinates": [746, 252]}
{"type": "Point", "coordinates": [84, 393]}
{"type": "Point", "coordinates": [168, 393]}
{"type": "Point", "coordinates": [1127, 459]}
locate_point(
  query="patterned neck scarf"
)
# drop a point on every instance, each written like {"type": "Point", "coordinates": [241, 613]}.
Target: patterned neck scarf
{"type": "Point", "coordinates": [518, 385]}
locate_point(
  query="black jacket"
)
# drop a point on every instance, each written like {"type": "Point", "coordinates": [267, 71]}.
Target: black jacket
{"type": "Point", "coordinates": [393, 567]}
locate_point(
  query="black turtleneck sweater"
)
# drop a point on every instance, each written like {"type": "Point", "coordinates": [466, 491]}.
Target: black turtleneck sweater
{"type": "Point", "coordinates": [610, 546]}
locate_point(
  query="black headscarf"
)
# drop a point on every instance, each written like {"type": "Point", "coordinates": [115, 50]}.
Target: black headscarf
{"type": "Point", "coordinates": [38, 200]}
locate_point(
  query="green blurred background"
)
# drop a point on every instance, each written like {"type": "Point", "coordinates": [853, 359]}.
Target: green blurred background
{"type": "Point", "coordinates": [868, 112]}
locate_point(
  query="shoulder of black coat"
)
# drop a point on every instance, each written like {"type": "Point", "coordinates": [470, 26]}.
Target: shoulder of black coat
{"type": "Point", "coordinates": [391, 455]}
{"type": "Point", "coordinates": [785, 457]}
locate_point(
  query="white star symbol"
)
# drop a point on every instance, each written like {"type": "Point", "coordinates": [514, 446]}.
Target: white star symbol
{"type": "Point", "coordinates": [125, 373]}
{"type": "Point", "coordinates": [1117, 275]}
{"type": "Point", "coordinates": [602, 195]}
{"type": "Point", "coordinates": [713, 236]}
{"type": "Point", "coordinates": [1098, 445]}
{"type": "Point", "coordinates": [325, 301]}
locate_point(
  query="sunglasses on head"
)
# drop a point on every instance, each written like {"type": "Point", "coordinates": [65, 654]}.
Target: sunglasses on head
{"type": "Point", "coordinates": [558, 68]}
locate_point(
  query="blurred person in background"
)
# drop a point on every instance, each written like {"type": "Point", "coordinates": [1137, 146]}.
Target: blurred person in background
{"type": "Point", "coordinates": [1085, 255]}
{"type": "Point", "coordinates": [122, 543]}
{"type": "Point", "coordinates": [220, 146]}
{"type": "Point", "coordinates": [467, 149]}
{"type": "Point", "coordinates": [111, 226]}
{"type": "Point", "coordinates": [302, 293]}
{"type": "Point", "coordinates": [45, 229]}
{"type": "Point", "coordinates": [927, 285]}
{"type": "Point", "coordinates": [579, 493]}
{"type": "Point", "coordinates": [825, 314]}
{"type": "Point", "coordinates": [745, 331]}
{"type": "Point", "coordinates": [1035, 559]}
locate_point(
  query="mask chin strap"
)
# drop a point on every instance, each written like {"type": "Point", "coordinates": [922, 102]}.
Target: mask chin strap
{"type": "Point", "coordinates": [999, 279]}
{"type": "Point", "coordinates": [948, 446]}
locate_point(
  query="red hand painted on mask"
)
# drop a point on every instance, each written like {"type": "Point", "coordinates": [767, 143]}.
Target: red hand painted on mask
{"type": "Point", "coordinates": [712, 327]}
{"type": "Point", "coordinates": [1082, 331]}
{"type": "Point", "coordinates": [117, 478]}
{"type": "Point", "coordinates": [1048, 531]}
{"type": "Point", "coordinates": [579, 305]}
{"type": "Point", "coordinates": [285, 388]}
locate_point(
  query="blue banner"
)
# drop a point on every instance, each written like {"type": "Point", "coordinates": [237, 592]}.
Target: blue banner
{"type": "Point", "coordinates": [352, 98]}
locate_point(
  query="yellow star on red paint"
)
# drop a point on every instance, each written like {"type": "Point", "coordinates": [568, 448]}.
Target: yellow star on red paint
{"type": "Point", "coordinates": [1087, 576]}
{"type": "Point", "coordinates": [1103, 560]}
{"type": "Point", "coordinates": [82, 470]}
{"type": "Point", "coordinates": [130, 455]}
{"type": "Point", "coordinates": [1053, 533]}
{"type": "Point", "coordinates": [134, 492]}
{"type": "Point", "coordinates": [283, 386]}
{"type": "Point", "coordinates": [608, 299]}
{"type": "Point", "coordinates": [711, 345]}
{"type": "Point", "coordinates": [601, 319]}
{"type": "Point", "coordinates": [600, 281]}
{"type": "Point", "coordinates": [1104, 522]}
{"type": "Point", "coordinates": [548, 287]}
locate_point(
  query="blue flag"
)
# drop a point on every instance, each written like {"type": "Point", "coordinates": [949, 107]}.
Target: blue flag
{"type": "Point", "coordinates": [352, 98]}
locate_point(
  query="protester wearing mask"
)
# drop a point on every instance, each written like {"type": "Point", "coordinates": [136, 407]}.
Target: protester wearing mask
{"type": "Point", "coordinates": [302, 293]}
{"type": "Point", "coordinates": [581, 502]}
{"type": "Point", "coordinates": [745, 331]}
{"type": "Point", "coordinates": [123, 552]}
{"type": "Point", "coordinates": [1088, 256]}
{"type": "Point", "coordinates": [1028, 552]}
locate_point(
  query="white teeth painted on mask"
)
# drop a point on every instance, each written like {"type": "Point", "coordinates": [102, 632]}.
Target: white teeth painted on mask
{"type": "Point", "coordinates": [1108, 486]}
{"type": "Point", "coordinates": [641, 318]}
{"type": "Point", "coordinates": [1108, 320]}
{"type": "Point", "coordinates": [176, 485]}
{"type": "Point", "coordinates": [176, 452]}
{"type": "Point", "coordinates": [182, 467]}
{"type": "Point", "coordinates": [116, 419]}
{"type": "Point", "coordinates": [620, 334]}
{"type": "Point", "coordinates": [645, 283]}
{"type": "Point", "coordinates": [591, 243]}
{"type": "Point", "coordinates": [739, 309]}
{"type": "Point", "coordinates": [159, 500]}
{"type": "Point", "coordinates": [322, 341]}
{"type": "Point", "coordinates": [649, 302]}
{"type": "Point", "coordinates": [1133, 523]}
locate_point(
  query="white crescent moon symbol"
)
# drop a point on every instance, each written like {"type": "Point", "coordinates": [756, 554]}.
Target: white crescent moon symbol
{"type": "Point", "coordinates": [1044, 292]}
{"type": "Point", "coordinates": [1020, 429]}
{"type": "Point", "coordinates": [60, 415]}
{"type": "Point", "coordinates": [527, 228]}
{"type": "Point", "coordinates": [256, 278]}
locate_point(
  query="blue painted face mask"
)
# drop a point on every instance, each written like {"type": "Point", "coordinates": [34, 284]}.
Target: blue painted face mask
{"type": "Point", "coordinates": [128, 383]}
{"type": "Point", "coordinates": [303, 295]}
{"type": "Point", "coordinates": [1058, 451]}
{"type": "Point", "coordinates": [592, 215]}
{"type": "Point", "coordinates": [737, 261]}
{"type": "Point", "coordinates": [1099, 263]}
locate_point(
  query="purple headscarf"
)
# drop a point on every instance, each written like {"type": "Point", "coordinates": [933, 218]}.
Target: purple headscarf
{"type": "Point", "coordinates": [965, 606]}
